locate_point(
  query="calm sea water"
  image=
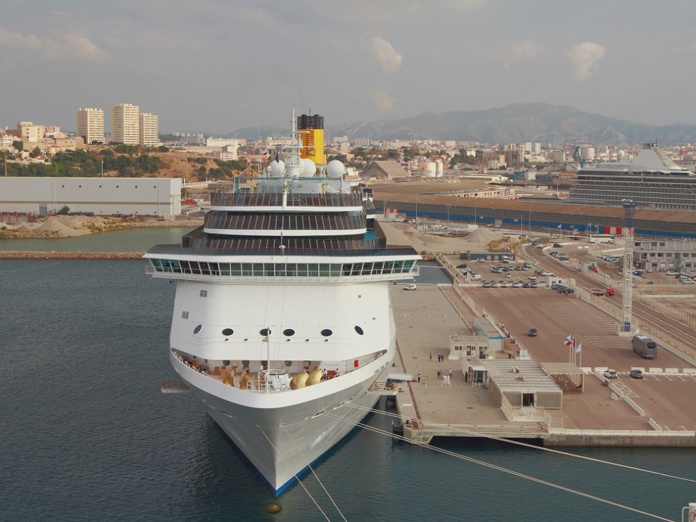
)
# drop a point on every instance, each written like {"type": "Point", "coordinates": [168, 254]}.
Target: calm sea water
{"type": "Point", "coordinates": [87, 435]}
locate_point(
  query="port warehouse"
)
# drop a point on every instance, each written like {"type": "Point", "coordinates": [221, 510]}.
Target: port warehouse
{"type": "Point", "coordinates": [100, 196]}
{"type": "Point", "coordinates": [526, 215]}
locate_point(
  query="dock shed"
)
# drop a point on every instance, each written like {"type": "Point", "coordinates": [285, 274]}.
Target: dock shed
{"type": "Point", "coordinates": [523, 389]}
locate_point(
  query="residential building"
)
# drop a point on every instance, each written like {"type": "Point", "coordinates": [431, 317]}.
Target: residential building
{"type": "Point", "coordinates": [148, 129]}
{"type": "Point", "coordinates": [125, 125]}
{"type": "Point", "coordinates": [29, 132]}
{"type": "Point", "coordinates": [90, 125]}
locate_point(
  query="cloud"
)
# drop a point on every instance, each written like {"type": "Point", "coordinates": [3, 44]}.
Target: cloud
{"type": "Point", "coordinates": [9, 39]}
{"type": "Point", "coordinates": [526, 49]}
{"type": "Point", "coordinates": [384, 55]}
{"type": "Point", "coordinates": [584, 59]}
{"type": "Point", "coordinates": [71, 45]}
{"type": "Point", "coordinates": [383, 101]}
{"type": "Point", "coordinates": [76, 45]}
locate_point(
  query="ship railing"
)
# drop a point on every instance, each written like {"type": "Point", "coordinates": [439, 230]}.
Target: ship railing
{"type": "Point", "coordinates": [248, 248]}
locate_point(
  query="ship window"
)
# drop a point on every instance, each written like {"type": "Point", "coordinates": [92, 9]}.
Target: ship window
{"type": "Point", "coordinates": [288, 363]}
{"type": "Point", "coordinates": [324, 269]}
{"type": "Point", "coordinates": [246, 269]}
{"type": "Point", "coordinates": [258, 269]}
{"type": "Point", "coordinates": [197, 328]}
{"type": "Point", "coordinates": [289, 332]}
{"type": "Point", "coordinates": [204, 293]}
{"type": "Point", "coordinates": [335, 270]}
{"type": "Point", "coordinates": [302, 269]}
{"type": "Point", "coordinates": [359, 330]}
{"type": "Point", "coordinates": [367, 268]}
{"type": "Point", "coordinates": [280, 270]}
{"type": "Point", "coordinates": [184, 315]}
{"type": "Point", "coordinates": [292, 269]}
{"type": "Point", "coordinates": [265, 332]}
{"type": "Point", "coordinates": [227, 331]}
{"type": "Point", "coordinates": [236, 269]}
{"type": "Point", "coordinates": [326, 332]}
{"type": "Point", "coordinates": [313, 269]}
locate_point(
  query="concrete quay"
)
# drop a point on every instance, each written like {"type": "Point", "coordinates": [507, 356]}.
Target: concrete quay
{"type": "Point", "coordinates": [71, 255]}
{"type": "Point", "coordinates": [426, 319]}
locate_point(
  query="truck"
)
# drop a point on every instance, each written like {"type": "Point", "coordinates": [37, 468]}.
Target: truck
{"type": "Point", "coordinates": [608, 292]}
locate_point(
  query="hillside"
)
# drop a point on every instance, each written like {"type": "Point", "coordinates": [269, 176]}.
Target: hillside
{"type": "Point", "coordinates": [520, 122]}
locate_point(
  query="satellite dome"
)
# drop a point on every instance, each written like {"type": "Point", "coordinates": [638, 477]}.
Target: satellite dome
{"type": "Point", "coordinates": [308, 168]}
{"type": "Point", "coordinates": [335, 169]}
{"type": "Point", "coordinates": [276, 169]}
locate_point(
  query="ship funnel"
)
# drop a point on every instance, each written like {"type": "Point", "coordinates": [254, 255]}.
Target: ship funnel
{"type": "Point", "coordinates": [311, 129]}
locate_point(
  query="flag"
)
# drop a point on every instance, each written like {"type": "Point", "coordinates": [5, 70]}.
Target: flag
{"type": "Point", "coordinates": [277, 158]}
{"type": "Point", "coordinates": [569, 341]}
{"type": "Point", "coordinates": [559, 226]}
{"type": "Point", "coordinates": [578, 348]}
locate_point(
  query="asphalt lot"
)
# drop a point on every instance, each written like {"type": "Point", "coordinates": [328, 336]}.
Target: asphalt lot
{"type": "Point", "coordinates": [665, 398]}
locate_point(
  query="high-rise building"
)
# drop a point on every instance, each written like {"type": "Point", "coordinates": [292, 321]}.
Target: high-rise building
{"type": "Point", "coordinates": [149, 130]}
{"type": "Point", "coordinates": [90, 125]}
{"type": "Point", "coordinates": [125, 125]}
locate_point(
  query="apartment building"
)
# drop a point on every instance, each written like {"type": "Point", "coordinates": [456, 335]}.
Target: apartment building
{"type": "Point", "coordinates": [90, 125]}
{"type": "Point", "coordinates": [125, 124]}
{"type": "Point", "coordinates": [148, 130]}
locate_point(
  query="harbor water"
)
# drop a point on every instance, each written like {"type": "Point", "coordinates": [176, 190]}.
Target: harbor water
{"type": "Point", "coordinates": [87, 434]}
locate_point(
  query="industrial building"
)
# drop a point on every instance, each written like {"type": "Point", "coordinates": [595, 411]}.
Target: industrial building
{"type": "Point", "coordinates": [100, 196]}
{"type": "Point", "coordinates": [673, 254]}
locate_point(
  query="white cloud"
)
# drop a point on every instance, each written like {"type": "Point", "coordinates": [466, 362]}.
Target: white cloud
{"type": "Point", "coordinates": [584, 59]}
{"type": "Point", "coordinates": [383, 101]}
{"type": "Point", "coordinates": [9, 39]}
{"type": "Point", "coordinates": [384, 55]}
{"type": "Point", "coordinates": [71, 45]}
{"type": "Point", "coordinates": [76, 45]}
{"type": "Point", "coordinates": [526, 49]}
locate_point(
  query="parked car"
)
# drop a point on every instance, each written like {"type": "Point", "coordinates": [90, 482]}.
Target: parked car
{"type": "Point", "coordinates": [410, 287]}
{"type": "Point", "coordinates": [557, 245]}
{"type": "Point", "coordinates": [636, 374]}
{"type": "Point", "coordinates": [610, 374]}
{"type": "Point", "coordinates": [463, 265]}
{"type": "Point", "coordinates": [533, 332]}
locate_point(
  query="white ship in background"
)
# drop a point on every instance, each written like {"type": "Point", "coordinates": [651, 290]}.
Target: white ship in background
{"type": "Point", "coordinates": [282, 318]}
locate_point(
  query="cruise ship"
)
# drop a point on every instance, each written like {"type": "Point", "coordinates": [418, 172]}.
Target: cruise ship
{"type": "Point", "coordinates": [282, 324]}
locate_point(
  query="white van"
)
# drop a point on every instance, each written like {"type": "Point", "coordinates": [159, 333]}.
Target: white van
{"type": "Point", "coordinates": [410, 287]}
{"type": "Point", "coordinates": [475, 277]}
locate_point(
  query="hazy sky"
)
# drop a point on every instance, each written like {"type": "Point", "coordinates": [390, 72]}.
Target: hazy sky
{"type": "Point", "coordinates": [218, 65]}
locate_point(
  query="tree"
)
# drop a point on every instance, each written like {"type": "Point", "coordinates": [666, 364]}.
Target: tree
{"type": "Point", "coordinates": [64, 211]}
{"type": "Point", "coordinates": [35, 153]}
{"type": "Point", "coordinates": [19, 145]}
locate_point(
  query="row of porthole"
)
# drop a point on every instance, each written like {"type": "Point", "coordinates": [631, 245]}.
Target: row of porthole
{"type": "Point", "coordinates": [288, 332]}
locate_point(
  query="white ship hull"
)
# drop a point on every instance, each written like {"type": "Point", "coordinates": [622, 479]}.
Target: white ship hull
{"type": "Point", "coordinates": [281, 442]}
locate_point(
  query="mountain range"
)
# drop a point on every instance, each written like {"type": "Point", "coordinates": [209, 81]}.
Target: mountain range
{"type": "Point", "coordinates": [516, 123]}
